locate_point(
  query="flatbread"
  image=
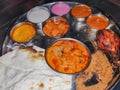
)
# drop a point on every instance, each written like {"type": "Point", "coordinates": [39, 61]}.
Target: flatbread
{"type": "Point", "coordinates": [25, 68]}
{"type": "Point", "coordinates": [44, 81]}
{"type": "Point", "coordinates": [9, 76]}
{"type": "Point", "coordinates": [99, 66]}
{"type": "Point", "coordinates": [24, 58]}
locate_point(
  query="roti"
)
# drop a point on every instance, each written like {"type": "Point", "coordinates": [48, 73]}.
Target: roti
{"type": "Point", "coordinates": [44, 81]}
{"type": "Point", "coordinates": [25, 68]}
{"type": "Point", "coordinates": [24, 58]}
{"type": "Point", "coordinates": [97, 75]}
{"type": "Point", "coordinates": [9, 76]}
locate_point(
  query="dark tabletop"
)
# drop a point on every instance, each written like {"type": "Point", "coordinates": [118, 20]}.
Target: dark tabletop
{"type": "Point", "coordinates": [11, 9]}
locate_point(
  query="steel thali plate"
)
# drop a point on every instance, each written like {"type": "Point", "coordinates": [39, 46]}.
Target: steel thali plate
{"type": "Point", "coordinates": [78, 30]}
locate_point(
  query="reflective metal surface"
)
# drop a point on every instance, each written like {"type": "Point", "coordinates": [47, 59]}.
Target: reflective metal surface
{"type": "Point", "coordinates": [10, 10]}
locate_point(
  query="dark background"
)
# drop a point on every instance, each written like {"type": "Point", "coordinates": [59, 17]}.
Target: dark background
{"type": "Point", "coordinates": [11, 9]}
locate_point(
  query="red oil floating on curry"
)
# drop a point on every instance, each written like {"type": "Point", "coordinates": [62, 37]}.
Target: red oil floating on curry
{"type": "Point", "coordinates": [68, 56]}
{"type": "Point", "coordinates": [81, 11]}
{"type": "Point", "coordinates": [97, 22]}
{"type": "Point", "coordinates": [56, 27]}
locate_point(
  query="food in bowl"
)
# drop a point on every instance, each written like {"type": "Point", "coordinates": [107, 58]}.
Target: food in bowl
{"type": "Point", "coordinates": [67, 56]}
{"type": "Point", "coordinates": [60, 8]}
{"type": "Point", "coordinates": [81, 11]}
{"type": "Point", "coordinates": [23, 32]}
{"type": "Point", "coordinates": [56, 27]}
{"type": "Point", "coordinates": [25, 68]}
{"type": "Point", "coordinates": [97, 22]}
{"type": "Point", "coordinates": [38, 14]}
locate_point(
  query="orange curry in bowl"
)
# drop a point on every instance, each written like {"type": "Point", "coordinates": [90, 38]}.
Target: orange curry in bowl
{"type": "Point", "coordinates": [23, 32]}
{"type": "Point", "coordinates": [68, 56]}
{"type": "Point", "coordinates": [97, 22]}
{"type": "Point", "coordinates": [81, 11]}
{"type": "Point", "coordinates": [56, 27]}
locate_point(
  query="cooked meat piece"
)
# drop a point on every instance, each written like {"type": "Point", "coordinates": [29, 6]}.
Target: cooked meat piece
{"type": "Point", "coordinates": [108, 41]}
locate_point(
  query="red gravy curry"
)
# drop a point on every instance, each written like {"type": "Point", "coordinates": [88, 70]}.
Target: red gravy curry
{"type": "Point", "coordinates": [67, 56]}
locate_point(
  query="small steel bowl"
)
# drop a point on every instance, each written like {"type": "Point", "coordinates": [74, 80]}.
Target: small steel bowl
{"type": "Point", "coordinates": [68, 56]}
{"type": "Point", "coordinates": [97, 22]}
{"type": "Point", "coordinates": [55, 27]}
{"type": "Point", "coordinates": [60, 8]}
{"type": "Point", "coordinates": [38, 14]}
{"type": "Point", "coordinates": [18, 34]}
{"type": "Point", "coordinates": [78, 10]}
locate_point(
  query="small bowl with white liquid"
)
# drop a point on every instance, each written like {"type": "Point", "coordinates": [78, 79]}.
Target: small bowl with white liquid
{"type": "Point", "coordinates": [38, 14]}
